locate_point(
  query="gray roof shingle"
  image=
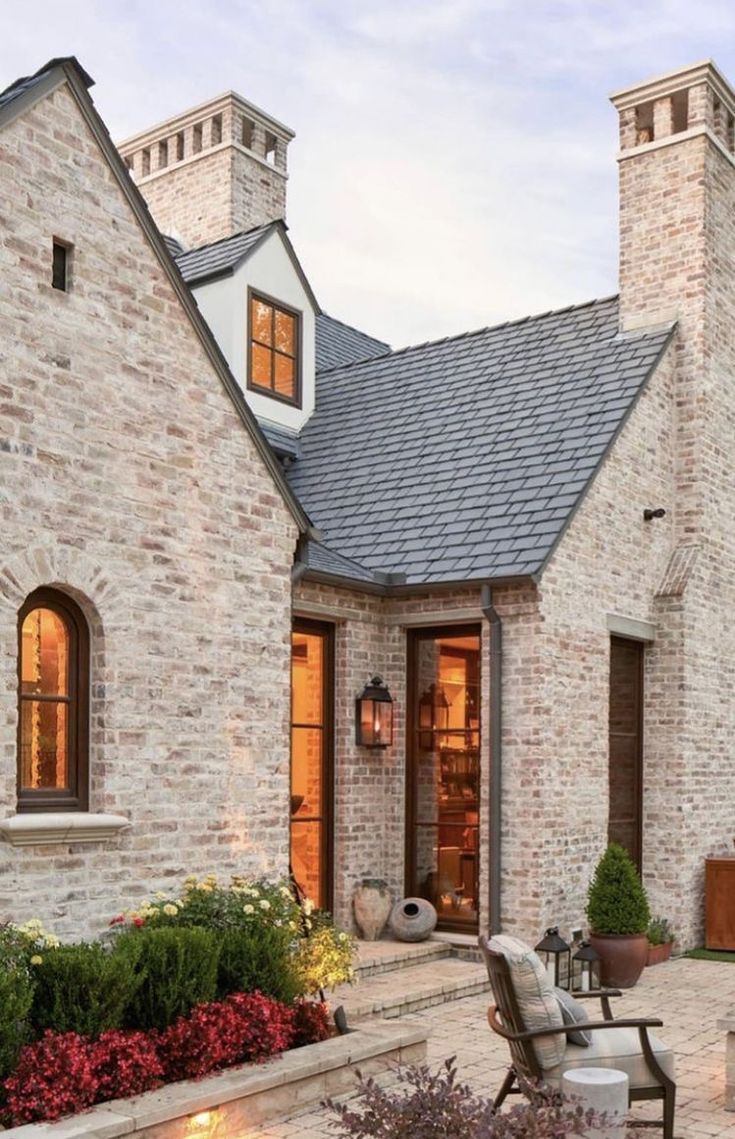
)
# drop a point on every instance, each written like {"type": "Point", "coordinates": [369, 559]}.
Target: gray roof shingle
{"type": "Point", "coordinates": [464, 458]}
{"type": "Point", "coordinates": [338, 344]}
{"type": "Point", "coordinates": [27, 82]}
{"type": "Point", "coordinates": [219, 257]}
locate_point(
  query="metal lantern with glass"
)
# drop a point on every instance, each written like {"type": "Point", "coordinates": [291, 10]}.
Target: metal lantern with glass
{"type": "Point", "coordinates": [585, 969]}
{"type": "Point", "coordinates": [374, 715]}
{"type": "Point", "coordinates": [556, 956]}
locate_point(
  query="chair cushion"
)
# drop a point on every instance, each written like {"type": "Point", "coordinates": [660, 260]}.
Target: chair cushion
{"type": "Point", "coordinates": [535, 996]}
{"type": "Point", "coordinates": [574, 1012]}
{"type": "Point", "coordinates": [618, 1048]}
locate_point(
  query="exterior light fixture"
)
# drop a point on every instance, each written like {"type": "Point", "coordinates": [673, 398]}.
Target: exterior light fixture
{"type": "Point", "coordinates": [556, 956]}
{"type": "Point", "coordinates": [649, 514]}
{"type": "Point", "coordinates": [374, 715]}
{"type": "Point", "coordinates": [585, 968]}
{"type": "Point", "coordinates": [433, 716]}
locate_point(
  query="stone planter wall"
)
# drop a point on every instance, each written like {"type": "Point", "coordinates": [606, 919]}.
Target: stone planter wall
{"type": "Point", "coordinates": [233, 1101]}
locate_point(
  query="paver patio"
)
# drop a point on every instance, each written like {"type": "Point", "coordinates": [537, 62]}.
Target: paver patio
{"type": "Point", "coordinates": [689, 996]}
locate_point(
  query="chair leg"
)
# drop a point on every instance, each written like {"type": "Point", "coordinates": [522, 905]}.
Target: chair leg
{"type": "Point", "coordinates": [669, 1104]}
{"type": "Point", "coordinates": [507, 1086]}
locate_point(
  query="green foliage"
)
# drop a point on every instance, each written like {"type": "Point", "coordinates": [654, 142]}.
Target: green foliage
{"type": "Point", "coordinates": [176, 970]}
{"type": "Point", "coordinates": [659, 931]}
{"type": "Point", "coordinates": [16, 995]}
{"type": "Point", "coordinates": [324, 958]}
{"type": "Point", "coordinates": [82, 988]}
{"type": "Point", "coordinates": [616, 900]}
{"type": "Point", "coordinates": [258, 958]}
{"type": "Point", "coordinates": [240, 905]}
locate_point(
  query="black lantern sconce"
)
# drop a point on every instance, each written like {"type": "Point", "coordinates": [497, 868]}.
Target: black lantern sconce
{"type": "Point", "coordinates": [433, 716]}
{"type": "Point", "coordinates": [374, 715]}
{"type": "Point", "coordinates": [556, 956]}
{"type": "Point", "coordinates": [585, 969]}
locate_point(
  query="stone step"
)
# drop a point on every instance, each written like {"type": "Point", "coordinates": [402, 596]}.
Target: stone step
{"type": "Point", "coordinates": [375, 957]}
{"type": "Point", "coordinates": [398, 992]}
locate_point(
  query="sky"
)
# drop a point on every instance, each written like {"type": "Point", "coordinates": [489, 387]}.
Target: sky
{"type": "Point", "coordinates": [454, 160]}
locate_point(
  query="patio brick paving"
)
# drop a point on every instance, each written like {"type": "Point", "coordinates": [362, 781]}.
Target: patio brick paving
{"type": "Point", "coordinates": [689, 996]}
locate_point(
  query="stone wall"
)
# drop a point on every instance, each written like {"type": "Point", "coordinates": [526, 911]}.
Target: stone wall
{"type": "Point", "coordinates": [129, 481]}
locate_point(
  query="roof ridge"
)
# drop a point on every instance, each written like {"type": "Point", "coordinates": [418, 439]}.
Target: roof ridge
{"type": "Point", "coordinates": [232, 236]}
{"type": "Point", "coordinates": [354, 328]}
{"type": "Point", "coordinates": [474, 332]}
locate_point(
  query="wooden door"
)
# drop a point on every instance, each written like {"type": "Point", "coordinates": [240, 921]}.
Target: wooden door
{"type": "Point", "coordinates": [626, 745]}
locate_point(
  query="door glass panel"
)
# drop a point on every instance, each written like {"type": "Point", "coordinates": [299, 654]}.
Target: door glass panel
{"type": "Point", "coordinates": [310, 751]}
{"type": "Point", "coordinates": [445, 781]}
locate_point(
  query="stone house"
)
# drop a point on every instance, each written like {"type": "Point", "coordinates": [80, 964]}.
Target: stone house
{"type": "Point", "coordinates": [525, 532]}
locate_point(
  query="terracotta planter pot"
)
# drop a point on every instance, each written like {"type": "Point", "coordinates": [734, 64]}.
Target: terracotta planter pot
{"type": "Point", "coordinates": [372, 906]}
{"type": "Point", "coordinates": [658, 953]}
{"type": "Point", "coordinates": [622, 957]}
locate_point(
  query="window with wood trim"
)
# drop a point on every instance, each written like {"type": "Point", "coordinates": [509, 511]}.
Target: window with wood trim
{"type": "Point", "coordinates": [53, 704]}
{"type": "Point", "coordinates": [274, 365]}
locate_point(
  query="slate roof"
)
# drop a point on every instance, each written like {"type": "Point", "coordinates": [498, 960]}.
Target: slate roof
{"type": "Point", "coordinates": [338, 343]}
{"type": "Point", "coordinates": [465, 458]}
{"type": "Point", "coordinates": [320, 558]}
{"type": "Point", "coordinates": [285, 443]}
{"type": "Point", "coordinates": [220, 257]}
{"type": "Point", "coordinates": [28, 82]}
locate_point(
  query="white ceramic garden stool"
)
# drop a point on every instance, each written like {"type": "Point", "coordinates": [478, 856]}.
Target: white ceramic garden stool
{"type": "Point", "coordinates": [603, 1090]}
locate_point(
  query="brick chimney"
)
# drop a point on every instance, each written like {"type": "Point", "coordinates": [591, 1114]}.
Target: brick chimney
{"type": "Point", "coordinates": [677, 262]}
{"type": "Point", "coordinates": [215, 170]}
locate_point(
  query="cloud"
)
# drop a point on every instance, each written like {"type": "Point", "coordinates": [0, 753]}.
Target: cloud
{"type": "Point", "coordinates": [454, 163]}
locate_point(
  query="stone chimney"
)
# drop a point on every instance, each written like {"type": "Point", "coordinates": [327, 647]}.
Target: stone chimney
{"type": "Point", "coordinates": [213, 171]}
{"type": "Point", "coordinates": [677, 262]}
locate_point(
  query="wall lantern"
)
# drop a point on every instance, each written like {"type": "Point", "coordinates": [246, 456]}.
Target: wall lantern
{"type": "Point", "coordinates": [374, 715]}
{"type": "Point", "coordinates": [585, 969]}
{"type": "Point", "coordinates": [433, 716]}
{"type": "Point", "coordinates": [556, 956]}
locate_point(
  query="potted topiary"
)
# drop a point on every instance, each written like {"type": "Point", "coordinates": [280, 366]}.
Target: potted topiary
{"type": "Point", "coordinates": [660, 939]}
{"type": "Point", "coordinates": [618, 916]}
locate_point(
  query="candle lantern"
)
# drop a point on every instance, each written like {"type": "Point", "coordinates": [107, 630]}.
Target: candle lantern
{"type": "Point", "coordinates": [433, 717]}
{"type": "Point", "coordinates": [374, 715]}
{"type": "Point", "coordinates": [585, 968]}
{"type": "Point", "coordinates": [556, 956]}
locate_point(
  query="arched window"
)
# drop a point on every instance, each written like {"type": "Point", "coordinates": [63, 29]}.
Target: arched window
{"type": "Point", "coordinates": [53, 704]}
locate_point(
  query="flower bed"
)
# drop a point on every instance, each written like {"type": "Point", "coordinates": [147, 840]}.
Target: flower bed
{"type": "Point", "coordinates": [181, 987]}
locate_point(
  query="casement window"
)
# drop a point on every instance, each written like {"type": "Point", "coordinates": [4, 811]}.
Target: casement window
{"type": "Point", "coordinates": [274, 349]}
{"type": "Point", "coordinates": [53, 704]}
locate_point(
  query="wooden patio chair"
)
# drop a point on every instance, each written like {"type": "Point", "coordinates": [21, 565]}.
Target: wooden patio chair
{"type": "Point", "coordinates": [646, 1060]}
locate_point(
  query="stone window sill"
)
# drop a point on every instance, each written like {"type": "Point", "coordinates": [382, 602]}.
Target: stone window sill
{"type": "Point", "coordinates": [39, 828]}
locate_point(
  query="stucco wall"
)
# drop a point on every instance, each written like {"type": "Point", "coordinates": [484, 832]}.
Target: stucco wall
{"type": "Point", "coordinates": [129, 481]}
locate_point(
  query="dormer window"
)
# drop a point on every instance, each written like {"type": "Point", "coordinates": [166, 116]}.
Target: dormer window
{"type": "Point", "coordinates": [274, 366]}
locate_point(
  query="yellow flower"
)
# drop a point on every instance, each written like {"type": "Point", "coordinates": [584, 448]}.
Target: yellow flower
{"type": "Point", "coordinates": [36, 960]}
{"type": "Point", "coordinates": [170, 909]}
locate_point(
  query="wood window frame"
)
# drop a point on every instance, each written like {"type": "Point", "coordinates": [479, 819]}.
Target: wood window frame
{"type": "Point", "coordinates": [76, 796]}
{"type": "Point", "coordinates": [297, 314]}
{"type": "Point", "coordinates": [326, 631]}
{"type": "Point", "coordinates": [637, 782]}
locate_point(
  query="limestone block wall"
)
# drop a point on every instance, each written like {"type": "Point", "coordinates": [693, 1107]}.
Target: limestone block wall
{"type": "Point", "coordinates": [128, 479]}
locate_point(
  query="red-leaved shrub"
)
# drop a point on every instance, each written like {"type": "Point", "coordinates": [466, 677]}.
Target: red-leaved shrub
{"type": "Point", "coordinates": [53, 1077]}
{"type": "Point", "coordinates": [211, 1036]}
{"type": "Point", "coordinates": [125, 1064]}
{"type": "Point", "coordinates": [310, 1022]}
{"type": "Point", "coordinates": [268, 1025]}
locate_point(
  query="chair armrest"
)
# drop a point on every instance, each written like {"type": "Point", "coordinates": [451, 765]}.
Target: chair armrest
{"type": "Point", "coordinates": [604, 998]}
{"type": "Point", "coordinates": [565, 1029]}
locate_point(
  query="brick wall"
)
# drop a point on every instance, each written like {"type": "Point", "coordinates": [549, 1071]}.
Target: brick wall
{"type": "Point", "coordinates": [129, 481]}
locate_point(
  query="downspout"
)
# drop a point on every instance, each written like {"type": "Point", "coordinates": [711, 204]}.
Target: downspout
{"type": "Point", "coordinates": [495, 751]}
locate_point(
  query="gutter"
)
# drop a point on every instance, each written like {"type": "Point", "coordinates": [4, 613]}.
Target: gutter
{"type": "Point", "coordinates": [496, 754]}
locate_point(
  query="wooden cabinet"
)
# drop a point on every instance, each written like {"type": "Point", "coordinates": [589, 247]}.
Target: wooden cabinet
{"type": "Point", "coordinates": [719, 893]}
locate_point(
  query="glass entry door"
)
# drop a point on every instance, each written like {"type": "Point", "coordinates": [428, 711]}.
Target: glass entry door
{"type": "Point", "coordinates": [311, 760]}
{"type": "Point", "coordinates": [443, 797]}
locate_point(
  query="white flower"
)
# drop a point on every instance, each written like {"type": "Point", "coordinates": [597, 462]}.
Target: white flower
{"type": "Point", "coordinates": [170, 909]}
{"type": "Point", "coordinates": [248, 909]}
{"type": "Point", "coordinates": [264, 904]}
{"type": "Point", "coordinates": [308, 906]}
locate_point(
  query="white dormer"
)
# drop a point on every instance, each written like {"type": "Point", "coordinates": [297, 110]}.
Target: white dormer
{"type": "Point", "coordinates": [252, 292]}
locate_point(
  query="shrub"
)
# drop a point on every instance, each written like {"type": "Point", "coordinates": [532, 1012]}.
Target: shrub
{"type": "Point", "coordinates": [258, 958]}
{"type": "Point", "coordinates": [16, 995]}
{"type": "Point", "coordinates": [659, 931]}
{"type": "Point", "coordinates": [438, 1107]}
{"type": "Point", "coordinates": [176, 970]}
{"type": "Point", "coordinates": [82, 988]}
{"type": "Point", "coordinates": [211, 1037]}
{"type": "Point", "coordinates": [311, 1023]}
{"type": "Point", "coordinates": [616, 900]}
{"type": "Point", "coordinates": [125, 1064]}
{"type": "Point", "coordinates": [54, 1077]}
{"type": "Point", "coordinates": [267, 1025]}
{"type": "Point", "coordinates": [324, 957]}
